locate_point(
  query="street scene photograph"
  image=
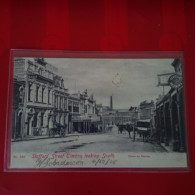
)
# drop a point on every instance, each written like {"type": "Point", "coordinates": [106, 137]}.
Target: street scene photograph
{"type": "Point", "coordinates": [98, 112]}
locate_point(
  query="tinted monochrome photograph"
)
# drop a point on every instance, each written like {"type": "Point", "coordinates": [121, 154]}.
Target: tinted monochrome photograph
{"type": "Point", "coordinates": [98, 113]}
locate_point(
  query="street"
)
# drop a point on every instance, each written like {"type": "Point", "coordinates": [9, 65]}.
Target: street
{"type": "Point", "coordinates": [98, 143]}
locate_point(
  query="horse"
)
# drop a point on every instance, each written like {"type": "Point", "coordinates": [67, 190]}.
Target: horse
{"type": "Point", "coordinates": [125, 127]}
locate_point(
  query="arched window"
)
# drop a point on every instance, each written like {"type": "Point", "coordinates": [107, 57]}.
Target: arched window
{"type": "Point", "coordinates": [40, 71]}
{"type": "Point", "coordinates": [48, 97]}
{"type": "Point", "coordinates": [43, 89]}
{"type": "Point", "coordinates": [37, 93]}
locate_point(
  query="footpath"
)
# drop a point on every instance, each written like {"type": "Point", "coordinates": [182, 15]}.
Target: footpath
{"type": "Point", "coordinates": [28, 138]}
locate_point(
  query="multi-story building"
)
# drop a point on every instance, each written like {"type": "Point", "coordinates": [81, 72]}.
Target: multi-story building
{"type": "Point", "coordinates": [74, 112]}
{"type": "Point", "coordinates": [83, 117]}
{"type": "Point", "coordinates": [44, 99]}
{"type": "Point", "coordinates": [112, 116]}
{"type": "Point", "coordinates": [119, 116]}
{"type": "Point", "coordinates": [17, 108]}
{"type": "Point", "coordinates": [125, 115]}
{"type": "Point", "coordinates": [60, 102]}
{"type": "Point", "coordinates": [41, 101]}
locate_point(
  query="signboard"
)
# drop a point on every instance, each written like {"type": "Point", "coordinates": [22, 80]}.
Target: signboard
{"type": "Point", "coordinates": [163, 79]}
{"type": "Point", "coordinates": [175, 81]}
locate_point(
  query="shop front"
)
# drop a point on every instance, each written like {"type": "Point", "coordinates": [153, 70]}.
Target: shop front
{"type": "Point", "coordinates": [170, 120]}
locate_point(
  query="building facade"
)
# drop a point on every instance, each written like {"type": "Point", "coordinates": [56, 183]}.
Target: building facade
{"type": "Point", "coordinates": [169, 113]}
{"type": "Point", "coordinates": [146, 110]}
{"type": "Point", "coordinates": [119, 116]}
{"type": "Point", "coordinates": [84, 118]}
{"type": "Point", "coordinates": [44, 98]}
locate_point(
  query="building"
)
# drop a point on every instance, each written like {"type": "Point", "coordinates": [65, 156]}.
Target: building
{"type": "Point", "coordinates": [42, 98]}
{"type": "Point", "coordinates": [119, 116]}
{"type": "Point", "coordinates": [82, 113]}
{"type": "Point", "coordinates": [17, 108]}
{"type": "Point", "coordinates": [169, 113]}
{"type": "Point", "coordinates": [108, 118]}
{"type": "Point", "coordinates": [41, 102]}
{"type": "Point", "coordinates": [99, 109]}
{"type": "Point", "coordinates": [60, 103]}
{"type": "Point", "coordinates": [146, 110]}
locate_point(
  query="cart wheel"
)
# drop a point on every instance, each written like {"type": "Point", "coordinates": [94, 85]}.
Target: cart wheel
{"type": "Point", "coordinates": [63, 133]}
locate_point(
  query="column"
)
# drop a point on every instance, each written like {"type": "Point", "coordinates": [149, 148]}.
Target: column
{"type": "Point", "coordinates": [171, 119]}
{"type": "Point", "coordinates": [165, 125]}
{"type": "Point", "coordinates": [181, 145]}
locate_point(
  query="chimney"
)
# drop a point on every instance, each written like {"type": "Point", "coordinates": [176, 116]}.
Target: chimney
{"type": "Point", "coordinates": [111, 106]}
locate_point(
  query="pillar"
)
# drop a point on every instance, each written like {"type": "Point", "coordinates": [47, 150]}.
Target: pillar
{"type": "Point", "coordinates": [181, 146]}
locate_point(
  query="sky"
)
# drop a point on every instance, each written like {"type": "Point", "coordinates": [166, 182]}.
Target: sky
{"type": "Point", "coordinates": [129, 81]}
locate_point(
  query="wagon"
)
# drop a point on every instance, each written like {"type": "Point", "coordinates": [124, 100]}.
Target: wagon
{"type": "Point", "coordinates": [58, 129]}
{"type": "Point", "coordinates": [143, 128]}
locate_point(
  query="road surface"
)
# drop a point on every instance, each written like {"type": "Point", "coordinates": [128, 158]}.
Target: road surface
{"type": "Point", "coordinates": [110, 142]}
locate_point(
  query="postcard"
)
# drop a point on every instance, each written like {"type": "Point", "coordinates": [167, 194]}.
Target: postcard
{"type": "Point", "coordinates": [97, 113]}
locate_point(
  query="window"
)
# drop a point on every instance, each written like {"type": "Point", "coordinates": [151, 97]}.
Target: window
{"type": "Point", "coordinates": [29, 92]}
{"type": "Point", "coordinates": [60, 103]}
{"type": "Point", "coordinates": [43, 89]}
{"type": "Point", "coordinates": [55, 101]}
{"type": "Point", "coordinates": [85, 108]}
{"type": "Point", "coordinates": [65, 103]}
{"type": "Point", "coordinates": [75, 107]}
{"type": "Point", "coordinates": [37, 93]}
{"type": "Point", "coordinates": [40, 71]}
{"type": "Point", "coordinates": [48, 97]}
{"type": "Point", "coordinates": [70, 106]}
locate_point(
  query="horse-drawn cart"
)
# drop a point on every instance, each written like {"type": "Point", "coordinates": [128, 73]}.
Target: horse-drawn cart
{"type": "Point", "coordinates": [143, 128]}
{"type": "Point", "coordinates": [58, 129]}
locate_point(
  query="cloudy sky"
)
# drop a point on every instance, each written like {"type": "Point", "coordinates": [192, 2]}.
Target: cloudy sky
{"type": "Point", "coordinates": [137, 78]}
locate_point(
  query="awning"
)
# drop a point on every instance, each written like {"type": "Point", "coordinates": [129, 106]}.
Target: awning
{"type": "Point", "coordinates": [145, 120]}
{"type": "Point", "coordinates": [80, 119]}
{"type": "Point", "coordinates": [95, 119]}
